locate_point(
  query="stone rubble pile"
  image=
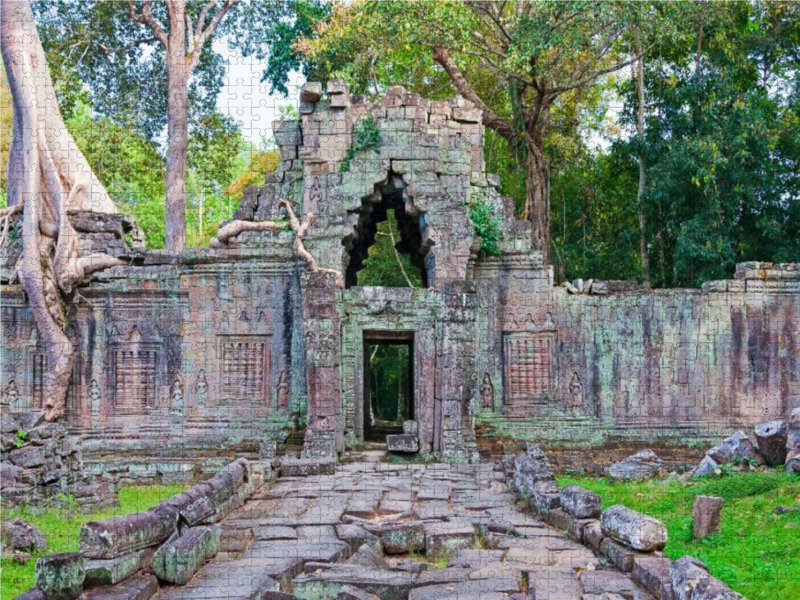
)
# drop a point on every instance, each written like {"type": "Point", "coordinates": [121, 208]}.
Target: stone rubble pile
{"type": "Point", "coordinates": [629, 540]}
{"type": "Point", "coordinates": [642, 465]}
{"type": "Point", "coordinates": [37, 459]}
{"type": "Point", "coordinates": [174, 539]}
{"type": "Point", "coordinates": [777, 443]}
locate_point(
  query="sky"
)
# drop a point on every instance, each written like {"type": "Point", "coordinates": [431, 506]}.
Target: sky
{"type": "Point", "coordinates": [247, 100]}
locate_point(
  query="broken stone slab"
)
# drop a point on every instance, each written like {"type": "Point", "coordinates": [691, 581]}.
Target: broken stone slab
{"type": "Point", "coordinates": [180, 558]}
{"type": "Point", "coordinates": [793, 442]}
{"type": "Point", "coordinates": [685, 573]}
{"type": "Point", "coordinates": [474, 589]}
{"type": "Point", "coordinates": [274, 532]}
{"type": "Point", "coordinates": [620, 555]}
{"type": "Point", "coordinates": [351, 592]}
{"type": "Point", "coordinates": [403, 537]}
{"type": "Point", "coordinates": [736, 447]}
{"type": "Point", "coordinates": [714, 589]}
{"type": "Point", "coordinates": [304, 467]}
{"type": "Point", "coordinates": [707, 516]}
{"type": "Point", "coordinates": [403, 443]}
{"type": "Point", "coordinates": [771, 437]}
{"type": "Point", "coordinates": [706, 466]}
{"type": "Point", "coordinates": [579, 502]}
{"type": "Point", "coordinates": [235, 540]}
{"type": "Point", "coordinates": [28, 456]}
{"type": "Point", "coordinates": [597, 583]}
{"type": "Point", "coordinates": [105, 572]}
{"type": "Point", "coordinates": [447, 536]}
{"type": "Point", "coordinates": [325, 585]}
{"type": "Point", "coordinates": [325, 550]}
{"type": "Point", "coordinates": [9, 424]}
{"type": "Point", "coordinates": [652, 573]}
{"type": "Point", "coordinates": [225, 579]}
{"type": "Point", "coordinates": [592, 534]}
{"type": "Point", "coordinates": [138, 587]}
{"type": "Point", "coordinates": [642, 465]}
{"type": "Point", "coordinates": [60, 576]}
{"type": "Point", "coordinates": [367, 557]}
{"type": "Point", "coordinates": [18, 534]}
{"type": "Point", "coordinates": [634, 529]}
{"type": "Point", "coordinates": [116, 536]}
{"type": "Point", "coordinates": [545, 496]}
{"type": "Point", "coordinates": [527, 471]}
{"type": "Point", "coordinates": [411, 427]}
{"type": "Point", "coordinates": [311, 92]}
{"type": "Point", "coordinates": [356, 536]}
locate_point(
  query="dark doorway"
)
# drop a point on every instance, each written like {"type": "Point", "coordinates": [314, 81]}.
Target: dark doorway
{"type": "Point", "coordinates": [388, 386]}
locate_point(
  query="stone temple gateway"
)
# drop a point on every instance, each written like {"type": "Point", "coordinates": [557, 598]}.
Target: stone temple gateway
{"type": "Point", "coordinates": [189, 355]}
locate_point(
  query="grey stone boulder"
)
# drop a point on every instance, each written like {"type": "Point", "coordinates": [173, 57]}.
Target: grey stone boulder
{"type": "Point", "coordinates": [116, 536]}
{"type": "Point", "coordinates": [30, 420]}
{"type": "Point", "coordinates": [771, 438]}
{"type": "Point", "coordinates": [793, 442]}
{"type": "Point", "coordinates": [403, 443]}
{"type": "Point", "coordinates": [545, 496]}
{"type": "Point", "coordinates": [28, 456]}
{"type": "Point", "coordinates": [642, 465]}
{"type": "Point", "coordinates": [633, 529]}
{"type": "Point", "coordinates": [706, 466]}
{"type": "Point", "coordinates": [18, 534]}
{"type": "Point", "coordinates": [579, 502]}
{"type": "Point", "coordinates": [9, 424]}
{"type": "Point", "coordinates": [691, 581]}
{"type": "Point", "coordinates": [738, 447]}
{"type": "Point", "coordinates": [60, 576]}
{"type": "Point", "coordinates": [9, 474]}
{"type": "Point", "coordinates": [182, 556]}
{"type": "Point", "coordinates": [367, 557]}
{"type": "Point", "coordinates": [527, 471]}
{"type": "Point", "coordinates": [714, 589]}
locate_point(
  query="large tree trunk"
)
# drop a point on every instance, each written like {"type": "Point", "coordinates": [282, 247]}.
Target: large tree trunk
{"type": "Point", "coordinates": [177, 127]}
{"type": "Point", "coordinates": [639, 66]}
{"type": "Point", "coordinates": [47, 176]}
{"type": "Point", "coordinates": [537, 198]}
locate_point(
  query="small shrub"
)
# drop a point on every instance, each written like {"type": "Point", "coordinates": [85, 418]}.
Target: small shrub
{"type": "Point", "coordinates": [367, 135]}
{"type": "Point", "coordinates": [487, 226]}
{"type": "Point", "coordinates": [22, 437]}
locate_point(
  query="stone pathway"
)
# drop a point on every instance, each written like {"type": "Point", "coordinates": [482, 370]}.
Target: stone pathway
{"type": "Point", "coordinates": [456, 530]}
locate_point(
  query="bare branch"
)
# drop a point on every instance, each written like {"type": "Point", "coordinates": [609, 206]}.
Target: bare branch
{"type": "Point", "coordinates": [201, 20]}
{"type": "Point", "coordinates": [201, 39]}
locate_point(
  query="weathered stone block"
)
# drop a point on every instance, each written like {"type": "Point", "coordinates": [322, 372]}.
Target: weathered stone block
{"type": "Point", "coordinates": [652, 573]}
{"type": "Point", "coordinates": [304, 467]}
{"type": "Point", "coordinates": [356, 536]}
{"type": "Point", "coordinates": [617, 553]}
{"type": "Point", "coordinates": [447, 536]}
{"type": "Point", "coordinates": [579, 502]}
{"type": "Point", "coordinates": [771, 437]}
{"type": "Point", "coordinates": [400, 538]}
{"type": "Point", "coordinates": [737, 447]}
{"type": "Point", "coordinates": [402, 443]}
{"type": "Point", "coordinates": [60, 576]}
{"type": "Point", "coordinates": [365, 556]}
{"type": "Point", "coordinates": [634, 529]}
{"type": "Point", "coordinates": [18, 534]}
{"type": "Point", "coordinates": [707, 516]}
{"type": "Point", "coordinates": [793, 442]}
{"type": "Point", "coordinates": [642, 465]}
{"type": "Point", "coordinates": [685, 573]}
{"type": "Point", "coordinates": [28, 456]}
{"type": "Point", "coordinates": [113, 570]}
{"type": "Point", "coordinates": [138, 587]}
{"type": "Point", "coordinates": [114, 537]}
{"type": "Point", "coordinates": [180, 558]}
{"type": "Point", "coordinates": [311, 92]}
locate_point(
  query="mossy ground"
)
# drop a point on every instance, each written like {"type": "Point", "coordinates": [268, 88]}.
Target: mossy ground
{"type": "Point", "coordinates": [757, 552]}
{"type": "Point", "coordinates": [61, 527]}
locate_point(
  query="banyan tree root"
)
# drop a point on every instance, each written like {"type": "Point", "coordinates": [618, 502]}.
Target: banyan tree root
{"type": "Point", "coordinates": [230, 230]}
{"type": "Point", "coordinates": [47, 176]}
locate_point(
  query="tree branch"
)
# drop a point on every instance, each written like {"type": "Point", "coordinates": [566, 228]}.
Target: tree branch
{"type": "Point", "coordinates": [147, 19]}
{"type": "Point", "coordinates": [201, 39]}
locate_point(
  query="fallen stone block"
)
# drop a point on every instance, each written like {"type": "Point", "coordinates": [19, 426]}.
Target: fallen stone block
{"type": "Point", "coordinates": [105, 572]}
{"type": "Point", "coordinates": [411, 427]}
{"type": "Point", "coordinates": [592, 534]}
{"type": "Point", "coordinates": [311, 92]}
{"type": "Point", "coordinates": [579, 502]}
{"type": "Point", "coordinates": [351, 592]}
{"type": "Point", "coordinates": [356, 536]}
{"type": "Point", "coordinates": [60, 576]}
{"type": "Point", "coordinates": [304, 467]}
{"type": "Point", "coordinates": [771, 437]}
{"type": "Point", "coordinates": [494, 588]}
{"type": "Point", "coordinates": [447, 536]}
{"type": "Point", "coordinates": [642, 465]}
{"type": "Point", "coordinates": [707, 516]}
{"type": "Point", "coordinates": [367, 557]}
{"type": "Point", "coordinates": [634, 529]}
{"type": "Point", "coordinates": [28, 456]}
{"type": "Point", "coordinates": [706, 466]}
{"type": "Point", "coordinates": [181, 557]}
{"type": "Point", "coordinates": [652, 573]}
{"type": "Point", "coordinates": [18, 534]}
{"type": "Point", "coordinates": [403, 537]}
{"type": "Point", "coordinates": [114, 537]}
{"type": "Point", "coordinates": [235, 540]}
{"type": "Point", "coordinates": [402, 443]}
{"type": "Point", "coordinates": [793, 442]}
{"type": "Point", "coordinates": [325, 585]}
{"type": "Point", "coordinates": [736, 447]}
{"type": "Point", "coordinates": [685, 573]}
{"type": "Point", "coordinates": [617, 553]}
{"type": "Point", "coordinates": [138, 587]}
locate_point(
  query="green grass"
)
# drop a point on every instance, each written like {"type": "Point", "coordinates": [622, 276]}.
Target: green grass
{"type": "Point", "coordinates": [757, 552]}
{"type": "Point", "coordinates": [62, 526]}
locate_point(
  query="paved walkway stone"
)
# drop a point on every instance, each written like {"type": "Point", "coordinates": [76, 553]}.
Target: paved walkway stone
{"type": "Point", "coordinates": [483, 547]}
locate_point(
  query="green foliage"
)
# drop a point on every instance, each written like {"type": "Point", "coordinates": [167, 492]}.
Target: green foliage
{"type": "Point", "coordinates": [757, 551]}
{"type": "Point", "coordinates": [381, 266]}
{"type": "Point", "coordinates": [61, 526]}
{"type": "Point", "coordinates": [22, 437]}
{"type": "Point", "coordinates": [487, 226]}
{"type": "Point", "coordinates": [367, 136]}
{"type": "Point", "coordinates": [389, 381]}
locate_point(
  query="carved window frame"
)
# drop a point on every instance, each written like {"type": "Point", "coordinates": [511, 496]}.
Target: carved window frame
{"type": "Point", "coordinates": [533, 369]}
{"type": "Point", "coordinates": [120, 392]}
{"type": "Point", "coordinates": [259, 397]}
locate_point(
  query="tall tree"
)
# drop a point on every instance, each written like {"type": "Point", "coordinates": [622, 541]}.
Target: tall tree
{"type": "Point", "coordinates": [47, 176]}
{"type": "Point", "coordinates": [516, 61]}
{"type": "Point", "coordinates": [153, 64]}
